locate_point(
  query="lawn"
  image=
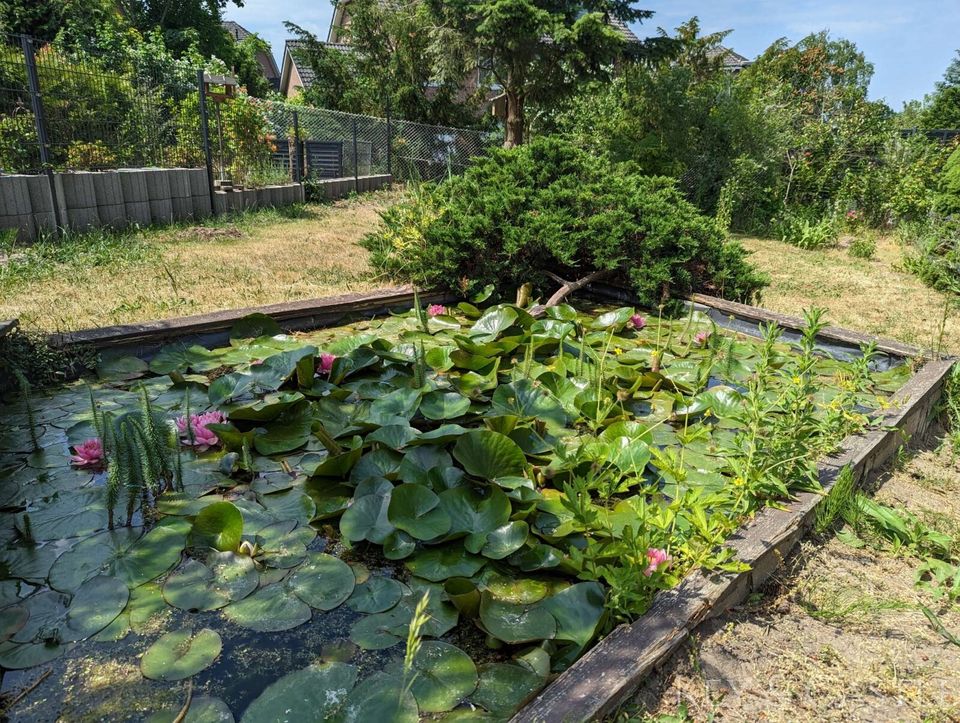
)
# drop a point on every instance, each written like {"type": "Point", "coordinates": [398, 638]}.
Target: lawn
{"type": "Point", "coordinates": [255, 258]}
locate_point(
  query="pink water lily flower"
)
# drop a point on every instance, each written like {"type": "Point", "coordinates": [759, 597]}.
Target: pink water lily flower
{"type": "Point", "coordinates": [203, 438]}
{"type": "Point", "coordinates": [89, 454]}
{"type": "Point", "coordinates": [436, 310]}
{"type": "Point", "coordinates": [701, 338]}
{"type": "Point", "coordinates": [325, 366]}
{"type": "Point", "coordinates": [637, 321]}
{"type": "Point", "coordinates": [655, 558]}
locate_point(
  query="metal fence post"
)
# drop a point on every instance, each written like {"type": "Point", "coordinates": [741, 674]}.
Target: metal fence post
{"type": "Point", "coordinates": [297, 168]}
{"type": "Point", "coordinates": [356, 159]}
{"type": "Point", "coordinates": [205, 135]}
{"type": "Point", "coordinates": [389, 141]}
{"type": "Point", "coordinates": [33, 82]}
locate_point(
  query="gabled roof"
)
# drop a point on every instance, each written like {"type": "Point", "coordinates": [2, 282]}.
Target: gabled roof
{"type": "Point", "coordinates": [267, 62]}
{"type": "Point", "coordinates": [625, 31]}
{"type": "Point", "coordinates": [732, 60]}
{"type": "Point", "coordinates": [236, 30]}
{"type": "Point", "coordinates": [304, 70]}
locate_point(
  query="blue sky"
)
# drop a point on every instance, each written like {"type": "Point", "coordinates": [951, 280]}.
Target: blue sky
{"type": "Point", "coordinates": [909, 41]}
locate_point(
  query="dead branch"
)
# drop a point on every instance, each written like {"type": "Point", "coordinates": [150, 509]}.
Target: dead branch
{"type": "Point", "coordinates": [567, 288]}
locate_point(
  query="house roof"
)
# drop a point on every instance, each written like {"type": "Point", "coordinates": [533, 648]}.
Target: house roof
{"type": "Point", "coordinates": [625, 31]}
{"type": "Point", "coordinates": [307, 76]}
{"type": "Point", "coordinates": [732, 60]}
{"type": "Point", "coordinates": [236, 30]}
{"type": "Point", "coordinates": [267, 62]}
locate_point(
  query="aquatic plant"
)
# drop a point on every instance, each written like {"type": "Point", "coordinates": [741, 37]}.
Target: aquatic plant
{"type": "Point", "coordinates": [196, 432]}
{"type": "Point", "coordinates": [88, 454]}
{"type": "Point", "coordinates": [436, 310]}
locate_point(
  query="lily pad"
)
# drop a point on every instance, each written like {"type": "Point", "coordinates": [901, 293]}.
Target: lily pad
{"type": "Point", "coordinates": [440, 405]}
{"type": "Point", "coordinates": [180, 654]}
{"type": "Point", "coordinates": [438, 563]}
{"type": "Point", "coordinates": [313, 693]}
{"type": "Point", "coordinates": [203, 709]}
{"type": "Point", "coordinates": [375, 595]}
{"type": "Point", "coordinates": [445, 675]}
{"type": "Point", "coordinates": [269, 610]}
{"type": "Point", "coordinates": [516, 623]}
{"type": "Point", "coordinates": [416, 510]}
{"type": "Point", "coordinates": [502, 687]}
{"type": "Point", "coordinates": [323, 581]}
{"type": "Point", "coordinates": [380, 697]}
{"type": "Point", "coordinates": [488, 455]}
{"type": "Point", "coordinates": [197, 587]}
{"type": "Point", "coordinates": [219, 526]}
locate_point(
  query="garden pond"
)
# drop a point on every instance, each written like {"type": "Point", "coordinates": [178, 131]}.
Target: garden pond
{"type": "Point", "coordinates": [424, 515]}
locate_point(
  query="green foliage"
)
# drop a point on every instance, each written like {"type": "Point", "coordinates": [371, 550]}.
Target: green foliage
{"type": "Point", "coordinates": [942, 109]}
{"type": "Point", "coordinates": [549, 207]}
{"type": "Point", "coordinates": [864, 246]}
{"type": "Point", "coordinates": [831, 508]}
{"type": "Point", "coordinates": [804, 231]}
{"type": "Point", "coordinates": [539, 53]}
{"type": "Point", "coordinates": [948, 200]}
{"type": "Point", "coordinates": [932, 252]}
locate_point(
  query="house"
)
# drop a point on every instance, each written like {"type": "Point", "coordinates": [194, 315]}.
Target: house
{"type": "Point", "coordinates": [731, 60]}
{"type": "Point", "coordinates": [294, 76]}
{"type": "Point", "coordinates": [264, 58]}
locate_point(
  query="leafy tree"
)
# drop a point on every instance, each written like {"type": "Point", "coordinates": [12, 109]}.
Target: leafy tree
{"type": "Point", "coordinates": [943, 109]}
{"type": "Point", "coordinates": [538, 51]}
{"type": "Point", "coordinates": [394, 58]}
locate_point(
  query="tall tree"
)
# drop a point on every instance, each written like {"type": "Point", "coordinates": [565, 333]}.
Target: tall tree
{"type": "Point", "coordinates": [943, 109]}
{"type": "Point", "coordinates": [540, 51]}
{"type": "Point", "coordinates": [394, 57]}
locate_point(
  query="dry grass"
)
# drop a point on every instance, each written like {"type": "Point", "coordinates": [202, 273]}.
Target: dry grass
{"type": "Point", "coordinates": [256, 259]}
{"type": "Point", "coordinates": [874, 296]}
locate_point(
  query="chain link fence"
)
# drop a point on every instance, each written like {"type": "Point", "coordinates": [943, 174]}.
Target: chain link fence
{"type": "Point", "coordinates": [62, 112]}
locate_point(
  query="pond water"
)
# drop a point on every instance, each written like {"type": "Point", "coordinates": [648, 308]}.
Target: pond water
{"type": "Point", "coordinates": [505, 481]}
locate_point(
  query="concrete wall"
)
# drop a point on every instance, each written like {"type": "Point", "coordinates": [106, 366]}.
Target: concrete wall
{"type": "Point", "coordinates": [334, 188]}
{"type": "Point", "coordinates": [91, 199]}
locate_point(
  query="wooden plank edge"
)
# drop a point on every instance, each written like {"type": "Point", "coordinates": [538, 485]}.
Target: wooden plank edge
{"type": "Point", "coordinates": [291, 315]}
{"type": "Point", "coordinates": [613, 669]}
{"type": "Point", "coordinates": [833, 333]}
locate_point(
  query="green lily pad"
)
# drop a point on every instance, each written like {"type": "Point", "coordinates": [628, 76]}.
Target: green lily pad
{"type": "Point", "coordinates": [438, 563]}
{"type": "Point", "coordinates": [578, 610]}
{"type": "Point", "coordinates": [375, 595]}
{"type": "Point", "coordinates": [440, 405]}
{"type": "Point", "coordinates": [505, 540]}
{"type": "Point", "coordinates": [488, 455]}
{"type": "Point", "coordinates": [196, 587]}
{"type": "Point", "coordinates": [15, 618]}
{"type": "Point", "coordinates": [380, 697]}
{"type": "Point", "coordinates": [19, 656]}
{"type": "Point", "coordinates": [180, 654]}
{"type": "Point", "coordinates": [367, 519]}
{"type": "Point", "coordinates": [416, 510]}
{"type": "Point", "coordinates": [516, 623]}
{"type": "Point", "coordinates": [503, 688]}
{"type": "Point", "coordinates": [314, 693]}
{"type": "Point", "coordinates": [271, 609]}
{"type": "Point", "coordinates": [253, 326]}
{"type": "Point", "coordinates": [475, 512]}
{"type": "Point", "coordinates": [445, 676]}
{"type": "Point", "coordinates": [323, 581]}
{"type": "Point", "coordinates": [525, 400]}
{"type": "Point", "coordinates": [219, 526]}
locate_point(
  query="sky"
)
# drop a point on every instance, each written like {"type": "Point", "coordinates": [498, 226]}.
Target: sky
{"type": "Point", "coordinates": [910, 42]}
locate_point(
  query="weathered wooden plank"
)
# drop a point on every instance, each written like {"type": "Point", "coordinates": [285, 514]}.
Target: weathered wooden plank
{"type": "Point", "coordinates": [610, 672]}
{"type": "Point", "coordinates": [833, 333]}
{"type": "Point", "coordinates": [291, 315]}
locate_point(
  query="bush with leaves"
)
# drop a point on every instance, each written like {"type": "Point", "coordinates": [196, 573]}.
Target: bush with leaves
{"type": "Point", "coordinates": [932, 252]}
{"type": "Point", "coordinates": [549, 211]}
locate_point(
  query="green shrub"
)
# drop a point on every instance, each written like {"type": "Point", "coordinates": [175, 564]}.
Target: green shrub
{"type": "Point", "coordinates": [804, 230]}
{"type": "Point", "coordinates": [932, 252]}
{"type": "Point", "coordinates": [551, 207]}
{"type": "Point", "coordinates": [863, 246]}
{"type": "Point", "coordinates": [948, 200]}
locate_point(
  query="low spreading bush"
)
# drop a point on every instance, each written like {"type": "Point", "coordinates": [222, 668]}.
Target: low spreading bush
{"type": "Point", "coordinates": [932, 252]}
{"type": "Point", "coordinates": [549, 207]}
{"type": "Point", "coordinates": [863, 246]}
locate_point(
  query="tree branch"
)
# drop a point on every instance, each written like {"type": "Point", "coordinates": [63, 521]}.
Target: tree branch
{"type": "Point", "coordinates": [567, 288]}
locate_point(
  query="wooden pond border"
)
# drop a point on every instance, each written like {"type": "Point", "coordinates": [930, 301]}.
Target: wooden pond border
{"type": "Point", "coordinates": [613, 669]}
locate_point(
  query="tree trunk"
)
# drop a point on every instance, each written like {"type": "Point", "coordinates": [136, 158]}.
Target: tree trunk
{"type": "Point", "coordinates": [515, 121]}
